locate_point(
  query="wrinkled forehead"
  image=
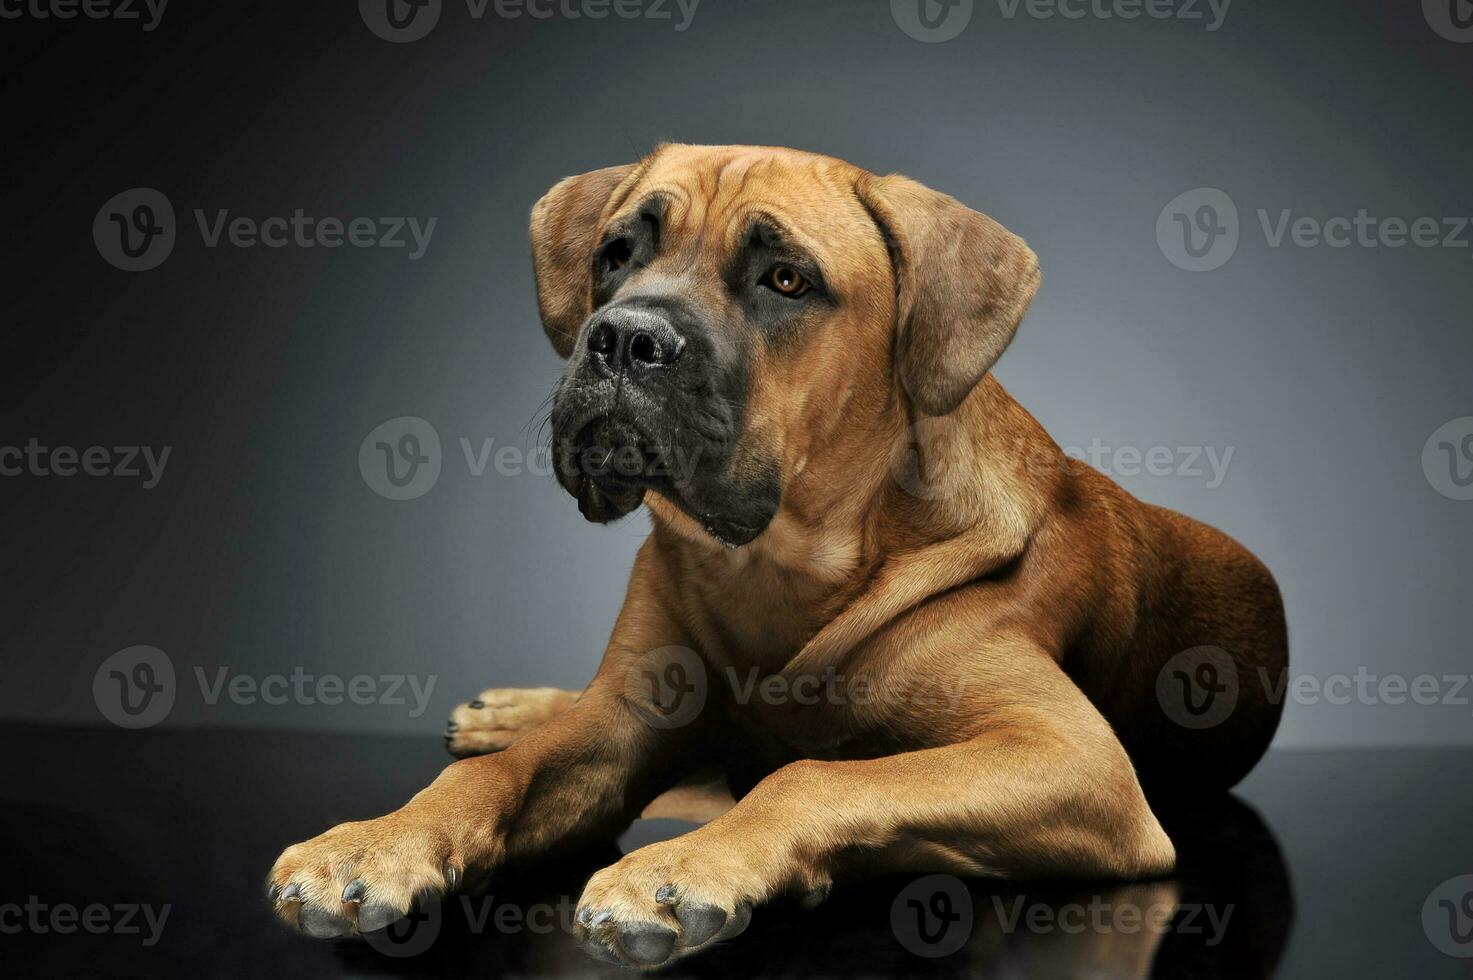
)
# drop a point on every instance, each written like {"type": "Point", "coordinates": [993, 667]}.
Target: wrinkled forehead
{"type": "Point", "coordinates": [711, 198]}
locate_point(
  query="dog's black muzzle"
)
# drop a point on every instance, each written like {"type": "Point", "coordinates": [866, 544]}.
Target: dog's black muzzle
{"type": "Point", "coordinates": [649, 402]}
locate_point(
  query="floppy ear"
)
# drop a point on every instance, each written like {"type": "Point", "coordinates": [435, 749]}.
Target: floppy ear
{"type": "Point", "coordinates": [563, 223]}
{"type": "Point", "coordinates": [963, 281]}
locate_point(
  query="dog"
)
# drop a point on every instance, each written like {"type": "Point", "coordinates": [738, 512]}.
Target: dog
{"type": "Point", "coordinates": [920, 637]}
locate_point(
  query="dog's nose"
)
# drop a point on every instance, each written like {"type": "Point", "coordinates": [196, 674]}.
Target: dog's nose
{"type": "Point", "coordinates": [629, 338]}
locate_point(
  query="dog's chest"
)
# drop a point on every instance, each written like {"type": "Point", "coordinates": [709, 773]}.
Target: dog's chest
{"type": "Point", "coordinates": [764, 614]}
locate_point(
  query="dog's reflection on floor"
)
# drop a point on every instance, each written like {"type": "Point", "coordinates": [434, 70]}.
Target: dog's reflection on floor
{"type": "Point", "coordinates": [1227, 913]}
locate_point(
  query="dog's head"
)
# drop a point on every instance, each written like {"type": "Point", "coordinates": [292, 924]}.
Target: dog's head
{"type": "Point", "coordinates": [721, 308]}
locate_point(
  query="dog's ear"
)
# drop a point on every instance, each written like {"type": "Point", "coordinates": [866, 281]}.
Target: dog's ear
{"type": "Point", "coordinates": [563, 225]}
{"type": "Point", "coordinates": [963, 281]}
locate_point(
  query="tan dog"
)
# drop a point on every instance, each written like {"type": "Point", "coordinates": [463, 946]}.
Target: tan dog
{"type": "Point", "coordinates": [918, 637]}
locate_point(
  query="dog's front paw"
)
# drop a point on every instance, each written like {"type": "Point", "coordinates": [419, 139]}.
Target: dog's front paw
{"type": "Point", "coordinates": [362, 876]}
{"type": "Point", "coordinates": [501, 716]}
{"type": "Point", "coordinates": [665, 901]}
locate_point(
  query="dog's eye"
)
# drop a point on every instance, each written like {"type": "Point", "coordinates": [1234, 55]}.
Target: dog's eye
{"type": "Point", "coordinates": [786, 280]}
{"type": "Point", "coordinates": [617, 254]}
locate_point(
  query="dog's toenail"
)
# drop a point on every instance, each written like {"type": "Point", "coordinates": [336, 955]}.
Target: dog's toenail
{"type": "Point", "coordinates": [478, 705]}
{"type": "Point", "coordinates": [666, 894]}
{"type": "Point", "coordinates": [452, 728]}
{"type": "Point", "coordinates": [273, 893]}
{"type": "Point", "coordinates": [601, 917]}
{"type": "Point", "coordinates": [355, 891]}
{"type": "Point", "coordinates": [452, 876]}
{"type": "Point", "coordinates": [585, 915]}
{"type": "Point", "coordinates": [291, 893]}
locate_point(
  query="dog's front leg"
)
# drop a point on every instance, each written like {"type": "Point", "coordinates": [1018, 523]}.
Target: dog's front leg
{"type": "Point", "coordinates": [582, 776]}
{"type": "Point", "coordinates": [1035, 785]}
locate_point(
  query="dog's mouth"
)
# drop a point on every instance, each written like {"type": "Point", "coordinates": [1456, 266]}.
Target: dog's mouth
{"type": "Point", "coordinates": [610, 463]}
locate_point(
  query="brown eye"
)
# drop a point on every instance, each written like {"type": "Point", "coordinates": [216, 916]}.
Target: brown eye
{"type": "Point", "coordinates": [617, 254]}
{"type": "Point", "coordinates": [786, 280]}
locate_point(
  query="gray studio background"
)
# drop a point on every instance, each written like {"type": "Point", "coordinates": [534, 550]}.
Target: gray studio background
{"type": "Point", "coordinates": [262, 550]}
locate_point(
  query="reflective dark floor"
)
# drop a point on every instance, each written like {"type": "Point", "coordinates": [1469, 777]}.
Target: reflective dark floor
{"type": "Point", "coordinates": [142, 854]}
